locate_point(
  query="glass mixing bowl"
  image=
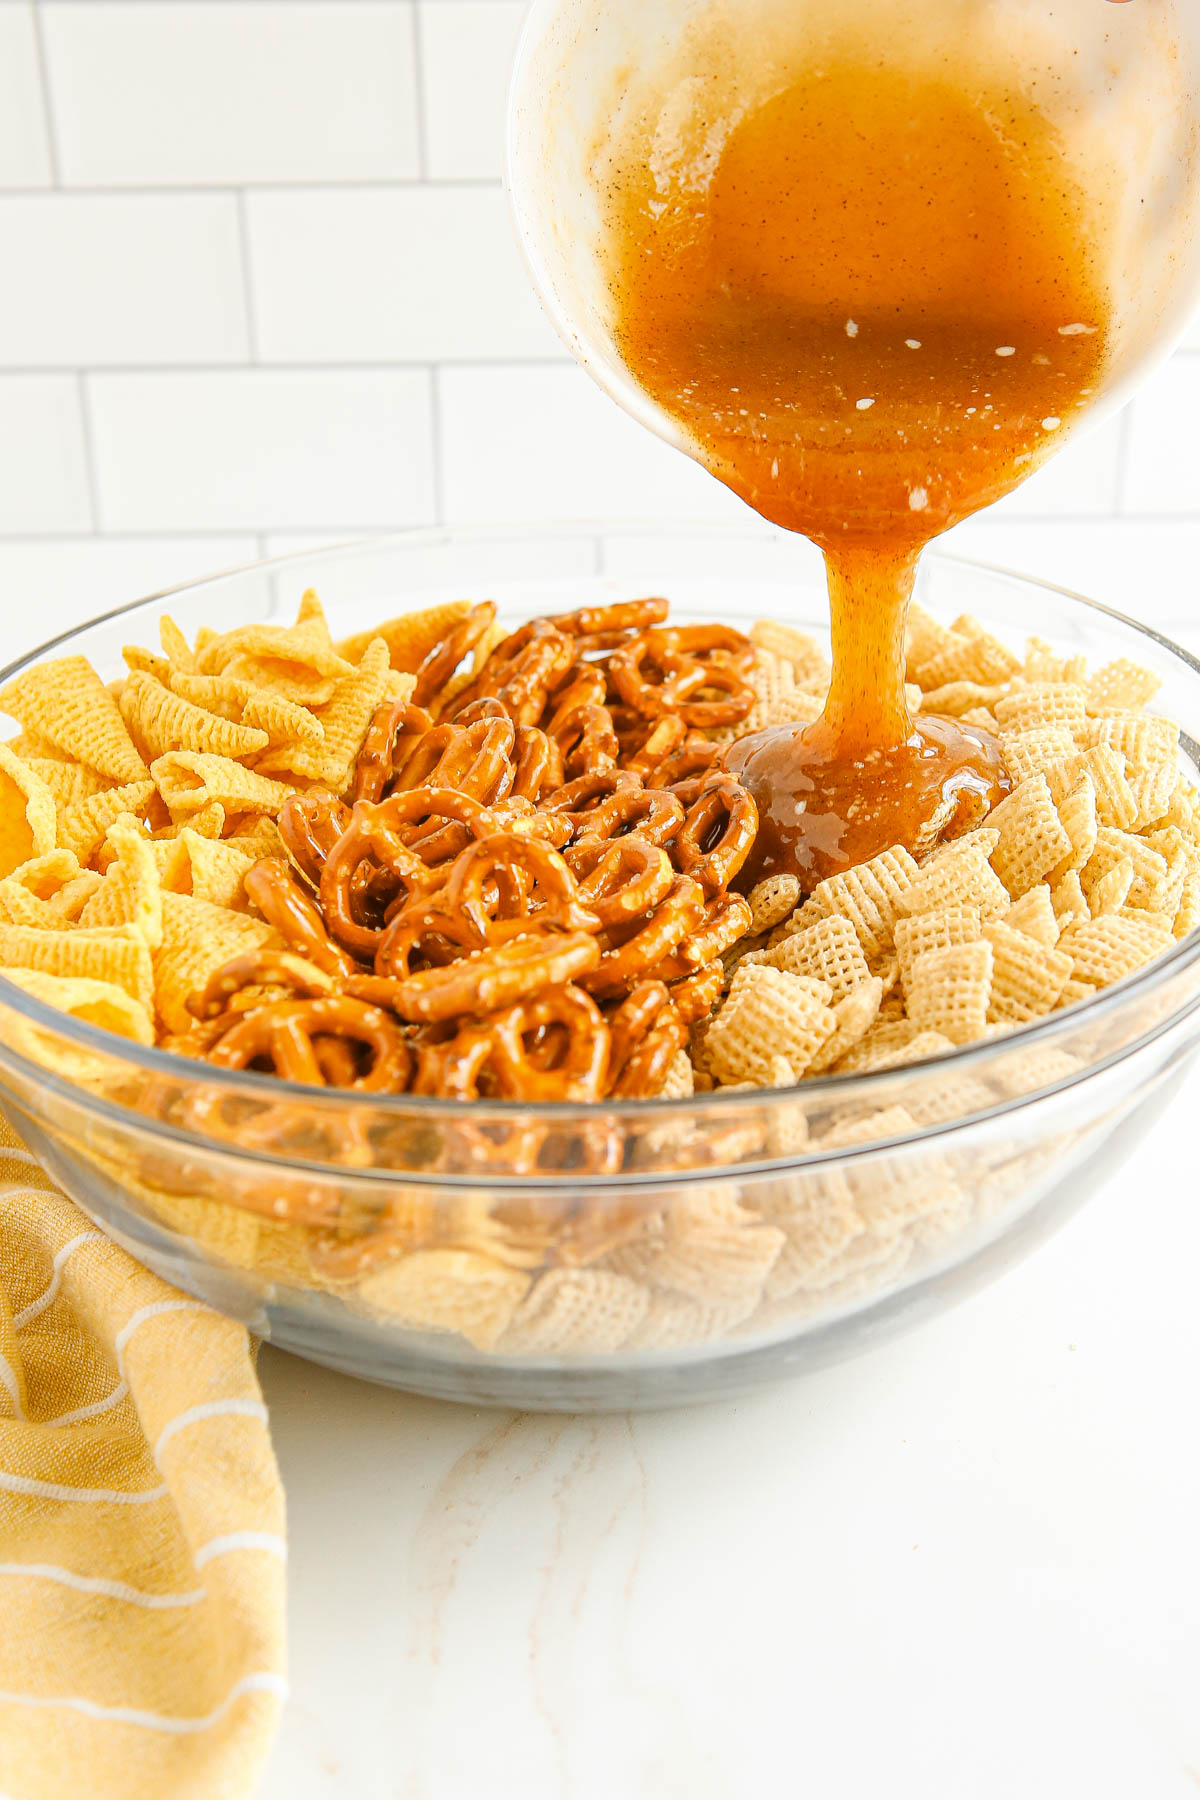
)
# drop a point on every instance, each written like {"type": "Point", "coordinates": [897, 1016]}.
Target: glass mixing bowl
{"type": "Point", "coordinates": [627, 1254]}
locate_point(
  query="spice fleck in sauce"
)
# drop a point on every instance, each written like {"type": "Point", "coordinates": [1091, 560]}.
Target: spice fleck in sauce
{"type": "Point", "coordinates": [870, 304]}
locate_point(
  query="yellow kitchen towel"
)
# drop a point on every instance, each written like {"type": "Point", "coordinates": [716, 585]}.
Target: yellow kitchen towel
{"type": "Point", "coordinates": [141, 1523]}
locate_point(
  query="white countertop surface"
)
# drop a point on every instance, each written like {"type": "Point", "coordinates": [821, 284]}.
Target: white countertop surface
{"type": "Point", "coordinates": [965, 1566]}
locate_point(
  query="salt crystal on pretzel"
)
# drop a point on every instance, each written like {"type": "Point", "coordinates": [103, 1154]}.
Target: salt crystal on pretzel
{"type": "Point", "coordinates": [66, 702]}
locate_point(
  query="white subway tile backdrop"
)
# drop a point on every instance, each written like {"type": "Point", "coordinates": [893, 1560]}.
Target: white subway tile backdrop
{"type": "Point", "coordinates": [260, 290]}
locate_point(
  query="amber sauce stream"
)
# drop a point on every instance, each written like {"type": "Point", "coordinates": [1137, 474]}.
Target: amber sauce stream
{"type": "Point", "coordinates": [873, 311]}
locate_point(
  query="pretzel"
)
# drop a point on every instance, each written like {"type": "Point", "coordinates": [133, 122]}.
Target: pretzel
{"type": "Point", "coordinates": [649, 813]}
{"type": "Point", "coordinates": [472, 757]}
{"type": "Point", "coordinates": [582, 726]}
{"type": "Point", "coordinates": [442, 660]}
{"type": "Point", "coordinates": [604, 627]}
{"type": "Point", "coordinates": [664, 736]}
{"type": "Point", "coordinates": [581, 796]}
{"type": "Point", "coordinates": [295, 915]}
{"type": "Point", "coordinates": [646, 1032]}
{"type": "Point", "coordinates": [726, 919]}
{"type": "Point", "coordinates": [483, 981]}
{"type": "Point", "coordinates": [258, 969]}
{"type": "Point", "coordinates": [383, 747]}
{"type": "Point", "coordinates": [688, 662]}
{"type": "Point", "coordinates": [715, 863]}
{"type": "Point", "coordinates": [539, 764]}
{"type": "Point", "coordinates": [532, 888]}
{"type": "Point", "coordinates": [695, 756]}
{"type": "Point", "coordinates": [310, 824]}
{"type": "Point", "coordinates": [696, 995]}
{"type": "Point", "coordinates": [578, 1064]}
{"type": "Point", "coordinates": [284, 1034]}
{"type": "Point", "coordinates": [373, 838]}
{"type": "Point", "coordinates": [634, 950]}
{"type": "Point", "coordinates": [622, 879]}
{"type": "Point", "coordinates": [535, 674]}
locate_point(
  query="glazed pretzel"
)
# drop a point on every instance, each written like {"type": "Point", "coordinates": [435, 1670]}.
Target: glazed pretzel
{"type": "Point", "coordinates": [310, 824]}
{"type": "Point", "coordinates": [507, 886]}
{"type": "Point", "coordinates": [696, 995]}
{"type": "Point", "coordinates": [620, 880]}
{"type": "Point", "coordinates": [666, 671]}
{"type": "Point", "coordinates": [634, 950]}
{"type": "Point", "coordinates": [295, 915]}
{"type": "Point", "coordinates": [718, 834]}
{"type": "Point", "coordinates": [258, 969]}
{"type": "Point", "coordinates": [649, 813]}
{"type": "Point", "coordinates": [646, 1031]}
{"type": "Point", "coordinates": [285, 1035]}
{"type": "Point", "coordinates": [578, 1065]}
{"type": "Point", "coordinates": [488, 980]}
{"type": "Point", "coordinates": [442, 660]}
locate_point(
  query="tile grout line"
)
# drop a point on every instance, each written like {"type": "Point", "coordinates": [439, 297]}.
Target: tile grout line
{"type": "Point", "coordinates": [421, 109]}
{"type": "Point", "coordinates": [375, 366]}
{"type": "Point", "coordinates": [89, 450]}
{"type": "Point", "coordinates": [43, 62]}
{"type": "Point", "coordinates": [145, 190]}
{"type": "Point", "coordinates": [248, 298]}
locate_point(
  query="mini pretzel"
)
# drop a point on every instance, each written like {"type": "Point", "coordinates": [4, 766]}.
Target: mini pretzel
{"type": "Point", "coordinates": [665, 735]}
{"type": "Point", "coordinates": [726, 919]}
{"type": "Point", "coordinates": [620, 880]}
{"type": "Point", "coordinates": [696, 995]}
{"type": "Point", "coordinates": [664, 671]}
{"type": "Point", "coordinates": [442, 660]}
{"type": "Point", "coordinates": [649, 813]}
{"type": "Point", "coordinates": [718, 834]}
{"type": "Point", "coordinates": [257, 969]}
{"type": "Point", "coordinates": [530, 888]}
{"type": "Point", "coordinates": [678, 914]}
{"type": "Point", "coordinates": [383, 748]}
{"type": "Point", "coordinates": [536, 673]}
{"type": "Point", "coordinates": [586, 792]}
{"type": "Point", "coordinates": [603, 627]}
{"type": "Point", "coordinates": [374, 837]}
{"type": "Point", "coordinates": [284, 1035]}
{"type": "Point", "coordinates": [471, 757]}
{"type": "Point", "coordinates": [695, 756]}
{"type": "Point", "coordinates": [539, 764]}
{"type": "Point", "coordinates": [646, 1032]}
{"type": "Point", "coordinates": [581, 1052]}
{"type": "Point", "coordinates": [494, 978]}
{"type": "Point", "coordinates": [295, 915]}
{"type": "Point", "coordinates": [310, 824]}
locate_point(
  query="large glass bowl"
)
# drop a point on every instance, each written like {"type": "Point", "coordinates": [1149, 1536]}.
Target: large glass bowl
{"type": "Point", "coordinates": [633, 1253]}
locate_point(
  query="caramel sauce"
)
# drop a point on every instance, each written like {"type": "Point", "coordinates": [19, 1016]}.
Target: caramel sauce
{"type": "Point", "coordinates": [870, 304]}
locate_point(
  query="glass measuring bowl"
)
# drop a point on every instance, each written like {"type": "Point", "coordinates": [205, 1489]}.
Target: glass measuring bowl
{"type": "Point", "coordinates": [1119, 85]}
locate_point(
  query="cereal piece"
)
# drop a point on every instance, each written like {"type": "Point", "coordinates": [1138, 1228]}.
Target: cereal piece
{"type": "Point", "coordinates": [959, 874]}
{"type": "Point", "coordinates": [773, 683]}
{"type": "Point", "coordinates": [99, 1003]}
{"type": "Point", "coordinates": [985, 720]}
{"type": "Point", "coordinates": [410, 637]}
{"type": "Point", "coordinates": [935, 931]}
{"type": "Point", "coordinates": [713, 1248]}
{"type": "Point", "coordinates": [1032, 838]}
{"type": "Point", "coordinates": [82, 828]}
{"type": "Point", "coordinates": [1069, 901]}
{"type": "Point", "coordinates": [1027, 976]}
{"type": "Point", "coordinates": [1041, 748]}
{"type": "Point", "coordinates": [191, 779]}
{"type": "Point", "coordinates": [855, 1015]}
{"type": "Point", "coordinates": [1116, 802]}
{"type": "Point", "coordinates": [66, 702]}
{"type": "Point", "coordinates": [130, 892]}
{"type": "Point", "coordinates": [1152, 789]}
{"type": "Point", "coordinates": [679, 1082]}
{"type": "Point", "coordinates": [1074, 993]}
{"type": "Point", "coordinates": [958, 698]}
{"type": "Point", "coordinates": [162, 721]}
{"type": "Point", "coordinates": [1113, 847]}
{"type": "Point", "coordinates": [1043, 663]}
{"type": "Point", "coordinates": [829, 952]}
{"type": "Point", "coordinates": [927, 637]}
{"type": "Point", "coordinates": [1077, 816]}
{"type": "Point", "coordinates": [446, 1290]}
{"type": "Point", "coordinates": [1143, 739]}
{"type": "Point", "coordinates": [1034, 914]}
{"type": "Point", "coordinates": [768, 1014]}
{"type": "Point", "coordinates": [1110, 893]}
{"type": "Point", "coordinates": [1121, 686]}
{"type": "Point", "coordinates": [870, 896]}
{"type": "Point", "coordinates": [979, 658]}
{"type": "Point", "coordinates": [1038, 704]}
{"type": "Point", "coordinates": [949, 991]}
{"type": "Point", "coordinates": [576, 1312]}
{"type": "Point", "coordinates": [197, 938]}
{"type": "Point", "coordinates": [28, 814]}
{"type": "Point", "coordinates": [1106, 950]}
{"type": "Point", "coordinates": [344, 723]}
{"type": "Point", "coordinates": [772, 901]}
{"type": "Point", "coordinates": [113, 953]}
{"type": "Point", "coordinates": [809, 663]}
{"type": "Point", "coordinates": [892, 1044]}
{"type": "Point", "coordinates": [1187, 914]}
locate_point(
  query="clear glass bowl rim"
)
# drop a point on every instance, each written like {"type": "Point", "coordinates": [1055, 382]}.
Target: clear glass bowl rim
{"type": "Point", "coordinates": [967, 1058]}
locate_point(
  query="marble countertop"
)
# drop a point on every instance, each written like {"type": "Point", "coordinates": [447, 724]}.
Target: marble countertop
{"type": "Point", "coordinates": [962, 1567]}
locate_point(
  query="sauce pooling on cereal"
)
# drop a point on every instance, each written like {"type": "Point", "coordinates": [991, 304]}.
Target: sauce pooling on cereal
{"type": "Point", "coordinates": [871, 306]}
